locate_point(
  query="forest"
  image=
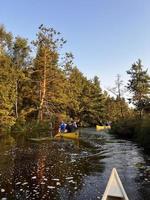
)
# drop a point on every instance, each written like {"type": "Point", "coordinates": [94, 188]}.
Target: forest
{"type": "Point", "coordinates": [40, 86]}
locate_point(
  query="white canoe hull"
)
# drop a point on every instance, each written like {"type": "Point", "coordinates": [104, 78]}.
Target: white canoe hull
{"type": "Point", "coordinates": [114, 189]}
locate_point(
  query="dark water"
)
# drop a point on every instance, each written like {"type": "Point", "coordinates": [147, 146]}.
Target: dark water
{"type": "Point", "coordinates": [72, 169]}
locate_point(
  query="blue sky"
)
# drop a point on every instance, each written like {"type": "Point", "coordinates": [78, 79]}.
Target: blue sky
{"type": "Point", "coordinates": [105, 36]}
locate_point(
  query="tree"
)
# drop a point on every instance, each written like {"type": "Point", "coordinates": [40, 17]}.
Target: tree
{"type": "Point", "coordinates": [5, 41]}
{"type": "Point", "coordinates": [68, 64]}
{"type": "Point", "coordinates": [118, 91]}
{"type": "Point", "coordinates": [112, 109]}
{"type": "Point", "coordinates": [91, 102]}
{"type": "Point", "coordinates": [48, 77]}
{"type": "Point", "coordinates": [97, 101]}
{"type": "Point", "coordinates": [75, 83]}
{"type": "Point", "coordinates": [139, 86]}
{"type": "Point", "coordinates": [7, 92]}
{"type": "Point", "coordinates": [7, 76]}
{"type": "Point", "coordinates": [20, 59]}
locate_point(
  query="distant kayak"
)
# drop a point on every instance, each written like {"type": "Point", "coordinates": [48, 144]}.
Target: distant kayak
{"type": "Point", "coordinates": [98, 127]}
{"type": "Point", "coordinates": [72, 135]}
{"type": "Point", "coordinates": [114, 189]}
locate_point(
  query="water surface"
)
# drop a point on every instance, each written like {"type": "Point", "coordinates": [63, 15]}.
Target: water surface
{"type": "Point", "coordinates": [69, 169]}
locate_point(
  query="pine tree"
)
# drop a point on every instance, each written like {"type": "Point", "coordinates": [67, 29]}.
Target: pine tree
{"type": "Point", "coordinates": [74, 92]}
{"type": "Point", "coordinates": [139, 86]}
{"type": "Point", "coordinates": [48, 78]}
{"type": "Point", "coordinates": [96, 102]}
{"type": "Point", "coordinates": [91, 102]}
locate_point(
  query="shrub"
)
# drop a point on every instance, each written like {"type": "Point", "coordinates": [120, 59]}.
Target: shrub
{"type": "Point", "coordinates": [124, 128]}
{"type": "Point", "coordinates": [143, 135]}
{"type": "Point", "coordinates": [32, 129]}
{"type": "Point", "coordinates": [137, 129]}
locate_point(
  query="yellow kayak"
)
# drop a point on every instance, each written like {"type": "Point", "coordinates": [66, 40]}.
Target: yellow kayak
{"type": "Point", "coordinates": [72, 135]}
{"type": "Point", "coordinates": [98, 128]}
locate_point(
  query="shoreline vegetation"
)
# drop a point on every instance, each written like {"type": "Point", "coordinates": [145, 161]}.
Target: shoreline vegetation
{"type": "Point", "coordinates": [137, 130]}
{"type": "Point", "coordinates": [40, 87]}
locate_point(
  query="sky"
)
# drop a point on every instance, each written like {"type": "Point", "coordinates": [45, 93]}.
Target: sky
{"type": "Point", "coordinates": [105, 36]}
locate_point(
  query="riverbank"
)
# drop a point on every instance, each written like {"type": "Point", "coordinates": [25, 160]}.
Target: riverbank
{"type": "Point", "coordinates": [134, 129]}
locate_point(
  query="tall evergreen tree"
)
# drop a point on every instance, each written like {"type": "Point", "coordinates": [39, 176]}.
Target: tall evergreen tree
{"type": "Point", "coordinates": [75, 82]}
{"type": "Point", "coordinates": [97, 101]}
{"type": "Point", "coordinates": [139, 86]}
{"type": "Point", "coordinates": [91, 103]}
{"type": "Point", "coordinates": [46, 73]}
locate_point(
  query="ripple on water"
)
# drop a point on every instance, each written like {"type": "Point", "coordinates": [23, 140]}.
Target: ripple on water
{"type": "Point", "coordinates": [67, 170]}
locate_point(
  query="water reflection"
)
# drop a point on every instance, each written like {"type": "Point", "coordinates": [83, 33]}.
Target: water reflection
{"type": "Point", "coordinates": [66, 169]}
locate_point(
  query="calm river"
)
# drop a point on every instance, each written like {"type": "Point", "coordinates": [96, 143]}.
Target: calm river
{"type": "Point", "coordinates": [72, 170]}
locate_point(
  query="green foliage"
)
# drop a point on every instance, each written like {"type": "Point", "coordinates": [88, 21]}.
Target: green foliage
{"type": "Point", "coordinates": [75, 84]}
{"type": "Point", "coordinates": [121, 107]}
{"type": "Point", "coordinates": [7, 76]}
{"type": "Point", "coordinates": [125, 128]}
{"type": "Point", "coordinates": [20, 53]}
{"type": "Point", "coordinates": [41, 88]}
{"type": "Point", "coordinates": [12, 61]}
{"type": "Point", "coordinates": [139, 86]}
{"type": "Point", "coordinates": [116, 108]}
{"type": "Point", "coordinates": [92, 102]}
{"type": "Point", "coordinates": [38, 93]}
{"type": "Point", "coordinates": [7, 93]}
{"type": "Point", "coordinates": [31, 129]}
{"type": "Point", "coordinates": [133, 128]}
{"type": "Point", "coordinates": [130, 125]}
{"type": "Point", "coordinates": [48, 79]}
{"type": "Point", "coordinates": [5, 41]}
{"type": "Point", "coordinates": [143, 134]}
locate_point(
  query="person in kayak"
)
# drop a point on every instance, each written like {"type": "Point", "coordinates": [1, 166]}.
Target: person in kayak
{"type": "Point", "coordinates": [62, 127]}
{"type": "Point", "coordinates": [71, 127]}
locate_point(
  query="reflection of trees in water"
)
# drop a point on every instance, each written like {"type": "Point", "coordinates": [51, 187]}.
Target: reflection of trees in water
{"type": "Point", "coordinates": [37, 167]}
{"type": "Point", "coordinates": [45, 165]}
{"type": "Point", "coordinates": [79, 168]}
{"type": "Point", "coordinates": [59, 168]}
{"type": "Point", "coordinates": [40, 168]}
{"type": "Point", "coordinates": [7, 143]}
{"type": "Point", "coordinates": [31, 169]}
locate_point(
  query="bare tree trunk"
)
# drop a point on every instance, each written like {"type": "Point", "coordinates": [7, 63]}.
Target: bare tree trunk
{"type": "Point", "coordinates": [118, 85]}
{"type": "Point", "coordinates": [43, 90]}
{"type": "Point", "coordinates": [117, 92]}
{"type": "Point", "coordinates": [141, 114]}
{"type": "Point", "coordinates": [16, 104]}
{"type": "Point", "coordinates": [0, 50]}
{"type": "Point", "coordinates": [121, 110]}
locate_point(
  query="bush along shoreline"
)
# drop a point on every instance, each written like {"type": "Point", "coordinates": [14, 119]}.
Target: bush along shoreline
{"type": "Point", "coordinates": [134, 129]}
